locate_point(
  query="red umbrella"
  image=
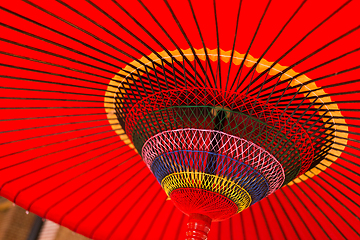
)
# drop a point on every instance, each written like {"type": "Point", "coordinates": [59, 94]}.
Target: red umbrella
{"type": "Point", "coordinates": [275, 82]}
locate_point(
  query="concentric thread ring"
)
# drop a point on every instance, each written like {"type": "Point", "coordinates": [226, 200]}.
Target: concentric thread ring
{"type": "Point", "coordinates": [208, 182]}
{"type": "Point", "coordinates": [231, 146]}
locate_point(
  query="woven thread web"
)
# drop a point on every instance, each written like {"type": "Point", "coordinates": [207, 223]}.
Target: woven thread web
{"type": "Point", "coordinates": [236, 124]}
{"type": "Point", "coordinates": [208, 140]}
{"type": "Point", "coordinates": [208, 182]}
{"type": "Point", "coordinates": [247, 118]}
{"type": "Point", "coordinates": [237, 151]}
{"type": "Point", "coordinates": [214, 164]}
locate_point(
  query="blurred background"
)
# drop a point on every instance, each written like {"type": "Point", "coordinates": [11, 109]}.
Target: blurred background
{"type": "Point", "coordinates": [18, 224]}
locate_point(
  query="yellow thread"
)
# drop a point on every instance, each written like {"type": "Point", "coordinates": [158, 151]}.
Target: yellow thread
{"type": "Point", "coordinates": [208, 182]}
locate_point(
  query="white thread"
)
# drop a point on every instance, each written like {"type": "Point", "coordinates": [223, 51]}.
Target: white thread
{"type": "Point", "coordinates": [228, 145]}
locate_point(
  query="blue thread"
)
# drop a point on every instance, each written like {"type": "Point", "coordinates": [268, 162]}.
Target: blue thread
{"type": "Point", "coordinates": [191, 160]}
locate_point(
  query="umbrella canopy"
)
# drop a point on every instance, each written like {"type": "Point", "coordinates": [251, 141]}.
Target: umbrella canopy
{"type": "Point", "coordinates": [74, 75]}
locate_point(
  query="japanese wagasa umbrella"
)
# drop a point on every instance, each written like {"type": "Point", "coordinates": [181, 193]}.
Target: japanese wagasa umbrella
{"type": "Point", "coordinates": [163, 119]}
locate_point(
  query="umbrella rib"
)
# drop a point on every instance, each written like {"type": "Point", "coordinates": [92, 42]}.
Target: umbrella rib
{"type": "Point", "coordinates": [50, 144]}
{"type": "Point", "coordinates": [342, 184]}
{"type": "Point", "coordinates": [170, 216]}
{"type": "Point", "coordinates": [324, 77]}
{"type": "Point", "coordinates": [115, 36]}
{"type": "Point", "coordinates": [181, 224]}
{"type": "Point", "coordinates": [61, 45]}
{"type": "Point", "coordinates": [320, 65]}
{"type": "Point", "coordinates": [89, 182]}
{"type": "Point", "coordinates": [92, 107]}
{"type": "Point", "coordinates": [107, 197]}
{"type": "Point", "coordinates": [54, 65]}
{"type": "Point", "coordinates": [219, 230]}
{"type": "Point", "coordinates": [204, 47]}
{"type": "Point", "coordinates": [349, 153]}
{"type": "Point", "coordinates": [288, 218]}
{"type": "Point", "coordinates": [234, 43]}
{"type": "Point", "coordinates": [231, 228]}
{"type": "Point", "coordinates": [59, 124]}
{"type": "Point", "coordinates": [56, 116]}
{"type": "Point", "coordinates": [149, 34]}
{"type": "Point", "coordinates": [330, 208]}
{"type": "Point", "coordinates": [310, 212]}
{"type": "Point", "coordinates": [342, 158]}
{"type": "Point", "coordinates": [245, 57]}
{"type": "Point", "coordinates": [314, 68]}
{"type": "Point", "coordinates": [254, 223]}
{"type": "Point", "coordinates": [319, 104]}
{"type": "Point", "coordinates": [143, 213]}
{"type": "Point", "coordinates": [196, 58]}
{"type": "Point", "coordinates": [300, 41]}
{"type": "Point", "coordinates": [50, 91]}
{"type": "Point", "coordinates": [64, 170]}
{"type": "Point", "coordinates": [87, 32]}
{"type": "Point", "coordinates": [7, 182]}
{"type": "Point", "coordinates": [64, 67]}
{"type": "Point", "coordinates": [57, 133]}
{"type": "Point", "coordinates": [169, 37]}
{"type": "Point", "coordinates": [66, 36]}
{"type": "Point", "coordinates": [56, 74]}
{"type": "Point", "coordinates": [297, 213]}
{"type": "Point", "coordinates": [128, 211]}
{"type": "Point", "coordinates": [332, 196]}
{"type": "Point", "coordinates": [53, 99]}
{"type": "Point", "coordinates": [242, 225]}
{"type": "Point", "coordinates": [276, 217]}
{"type": "Point", "coordinates": [56, 83]}
{"type": "Point", "coordinates": [332, 169]}
{"type": "Point", "coordinates": [272, 43]}
{"type": "Point", "coordinates": [248, 50]}
{"type": "Point", "coordinates": [264, 217]}
{"type": "Point", "coordinates": [58, 45]}
{"type": "Point", "coordinates": [122, 27]}
{"type": "Point", "coordinates": [218, 67]}
{"type": "Point", "coordinates": [152, 221]}
{"type": "Point", "coordinates": [58, 55]}
{"type": "Point", "coordinates": [334, 117]}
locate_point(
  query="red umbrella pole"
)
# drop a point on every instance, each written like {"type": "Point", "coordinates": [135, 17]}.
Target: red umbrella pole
{"type": "Point", "coordinates": [198, 227]}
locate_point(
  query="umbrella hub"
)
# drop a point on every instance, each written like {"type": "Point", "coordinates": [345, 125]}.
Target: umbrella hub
{"type": "Point", "coordinates": [215, 153]}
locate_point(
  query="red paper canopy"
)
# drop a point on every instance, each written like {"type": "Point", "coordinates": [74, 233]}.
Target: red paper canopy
{"type": "Point", "coordinates": [65, 156]}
